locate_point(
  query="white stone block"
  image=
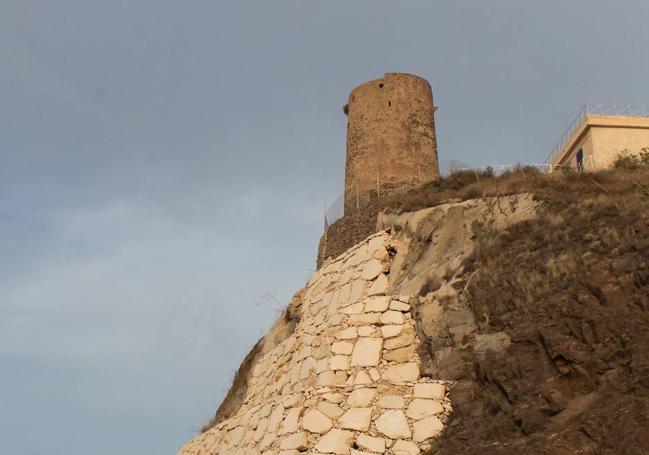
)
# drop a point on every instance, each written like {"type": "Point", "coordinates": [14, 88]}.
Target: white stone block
{"type": "Point", "coordinates": [307, 367]}
{"type": "Point", "coordinates": [364, 319]}
{"type": "Point", "coordinates": [275, 418]}
{"type": "Point", "coordinates": [342, 347]}
{"type": "Point", "coordinates": [316, 421]}
{"type": "Point", "coordinates": [391, 402]}
{"type": "Point", "coordinates": [357, 291]}
{"type": "Point", "coordinates": [407, 372]}
{"type": "Point", "coordinates": [367, 352]}
{"type": "Point", "coordinates": [393, 424]}
{"type": "Point", "coordinates": [334, 397]}
{"type": "Point", "coordinates": [420, 408]}
{"type": "Point", "coordinates": [377, 304]}
{"type": "Point", "coordinates": [379, 286]}
{"type": "Point", "coordinates": [361, 397]}
{"type": "Point", "coordinates": [399, 306]}
{"type": "Point", "coordinates": [296, 441]}
{"type": "Point", "coordinates": [362, 378]}
{"type": "Point", "coordinates": [400, 355]}
{"type": "Point", "coordinates": [370, 443]}
{"type": "Point", "coordinates": [429, 390]}
{"type": "Point", "coordinates": [326, 378]}
{"type": "Point", "coordinates": [356, 419]}
{"type": "Point", "coordinates": [405, 339]}
{"type": "Point", "coordinates": [356, 308]}
{"type": "Point", "coordinates": [367, 331]}
{"type": "Point", "coordinates": [336, 441]}
{"type": "Point", "coordinates": [372, 269]}
{"type": "Point", "coordinates": [374, 374]}
{"type": "Point", "coordinates": [402, 447]}
{"type": "Point", "coordinates": [426, 428]}
{"type": "Point", "coordinates": [339, 362]}
{"type": "Point", "coordinates": [290, 423]}
{"type": "Point", "coordinates": [392, 317]}
{"type": "Point", "coordinates": [330, 409]}
{"type": "Point", "coordinates": [349, 333]}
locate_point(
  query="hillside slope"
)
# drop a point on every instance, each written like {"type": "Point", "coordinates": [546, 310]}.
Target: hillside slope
{"type": "Point", "coordinates": [488, 315]}
{"type": "Point", "coordinates": [563, 300]}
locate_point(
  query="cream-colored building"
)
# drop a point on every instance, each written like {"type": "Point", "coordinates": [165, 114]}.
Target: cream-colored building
{"type": "Point", "coordinates": [598, 134]}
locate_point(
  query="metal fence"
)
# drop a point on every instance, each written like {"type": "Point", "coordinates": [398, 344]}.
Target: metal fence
{"type": "Point", "coordinates": [499, 169]}
{"type": "Point", "coordinates": [335, 211]}
{"type": "Point", "coordinates": [626, 110]}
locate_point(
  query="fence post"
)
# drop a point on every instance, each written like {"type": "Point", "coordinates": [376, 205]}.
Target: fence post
{"type": "Point", "coordinates": [357, 203]}
{"type": "Point", "coordinates": [378, 184]}
{"type": "Point", "coordinates": [326, 224]}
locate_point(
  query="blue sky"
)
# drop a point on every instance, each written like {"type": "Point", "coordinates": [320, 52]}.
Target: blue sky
{"type": "Point", "coordinates": [163, 165]}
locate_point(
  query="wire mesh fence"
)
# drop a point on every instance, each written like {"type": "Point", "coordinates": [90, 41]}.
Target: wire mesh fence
{"type": "Point", "coordinates": [335, 211]}
{"type": "Point", "coordinates": [499, 169]}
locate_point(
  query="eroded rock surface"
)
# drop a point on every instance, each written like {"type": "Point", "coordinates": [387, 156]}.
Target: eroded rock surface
{"type": "Point", "coordinates": [550, 356]}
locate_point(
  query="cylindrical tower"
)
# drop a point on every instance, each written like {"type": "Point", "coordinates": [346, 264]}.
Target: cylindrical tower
{"type": "Point", "coordinates": [391, 141]}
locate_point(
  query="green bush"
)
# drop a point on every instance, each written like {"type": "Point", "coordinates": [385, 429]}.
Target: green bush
{"type": "Point", "coordinates": [627, 160]}
{"type": "Point", "coordinates": [644, 156]}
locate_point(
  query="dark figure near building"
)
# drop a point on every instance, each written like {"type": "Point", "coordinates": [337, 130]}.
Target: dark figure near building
{"type": "Point", "coordinates": [580, 160]}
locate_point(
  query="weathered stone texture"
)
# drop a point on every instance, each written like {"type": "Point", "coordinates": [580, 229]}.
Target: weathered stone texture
{"type": "Point", "coordinates": [391, 147]}
{"type": "Point", "coordinates": [346, 381]}
{"type": "Point", "coordinates": [349, 230]}
{"type": "Point", "coordinates": [391, 139]}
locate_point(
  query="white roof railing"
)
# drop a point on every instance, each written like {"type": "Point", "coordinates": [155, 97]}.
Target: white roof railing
{"type": "Point", "coordinates": [626, 110]}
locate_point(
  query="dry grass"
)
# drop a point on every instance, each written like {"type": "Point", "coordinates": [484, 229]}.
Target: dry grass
{"type": "Point", "coordinates": [584, 215]}
{"type": "Point", "coordinates": [556, 186]}
{"type": "Point", "coordinates": [571, 289]}
{"type": "Point", "coordinates": [237, 392]}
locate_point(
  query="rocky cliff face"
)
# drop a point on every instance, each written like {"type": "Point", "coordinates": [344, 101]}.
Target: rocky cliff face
{"type": "Point", "coordinates": [511, 324]}
{"type": "Point", "coordinates": [347, 368]}
{"type": "Point", "coordinates": [547, 334]}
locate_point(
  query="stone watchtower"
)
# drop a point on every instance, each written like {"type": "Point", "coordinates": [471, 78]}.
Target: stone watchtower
{"type": "Point", "coordinates": [391, 141]}
{"type": "Point", "coordinates": [391, 147]}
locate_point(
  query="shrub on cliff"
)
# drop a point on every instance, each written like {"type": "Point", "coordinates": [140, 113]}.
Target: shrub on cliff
{"type": "Point", "coordinates": [627, 160]}
{"type": "Point", "coordinates": [467, 184]}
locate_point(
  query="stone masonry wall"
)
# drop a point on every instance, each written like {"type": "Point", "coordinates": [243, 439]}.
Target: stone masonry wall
{"type": "Point", "coordinates": [348, 231]}
{"type": "Point", "coordinates": [355, 226]}
{"type": "Point", "coordinates": [347, 381]}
